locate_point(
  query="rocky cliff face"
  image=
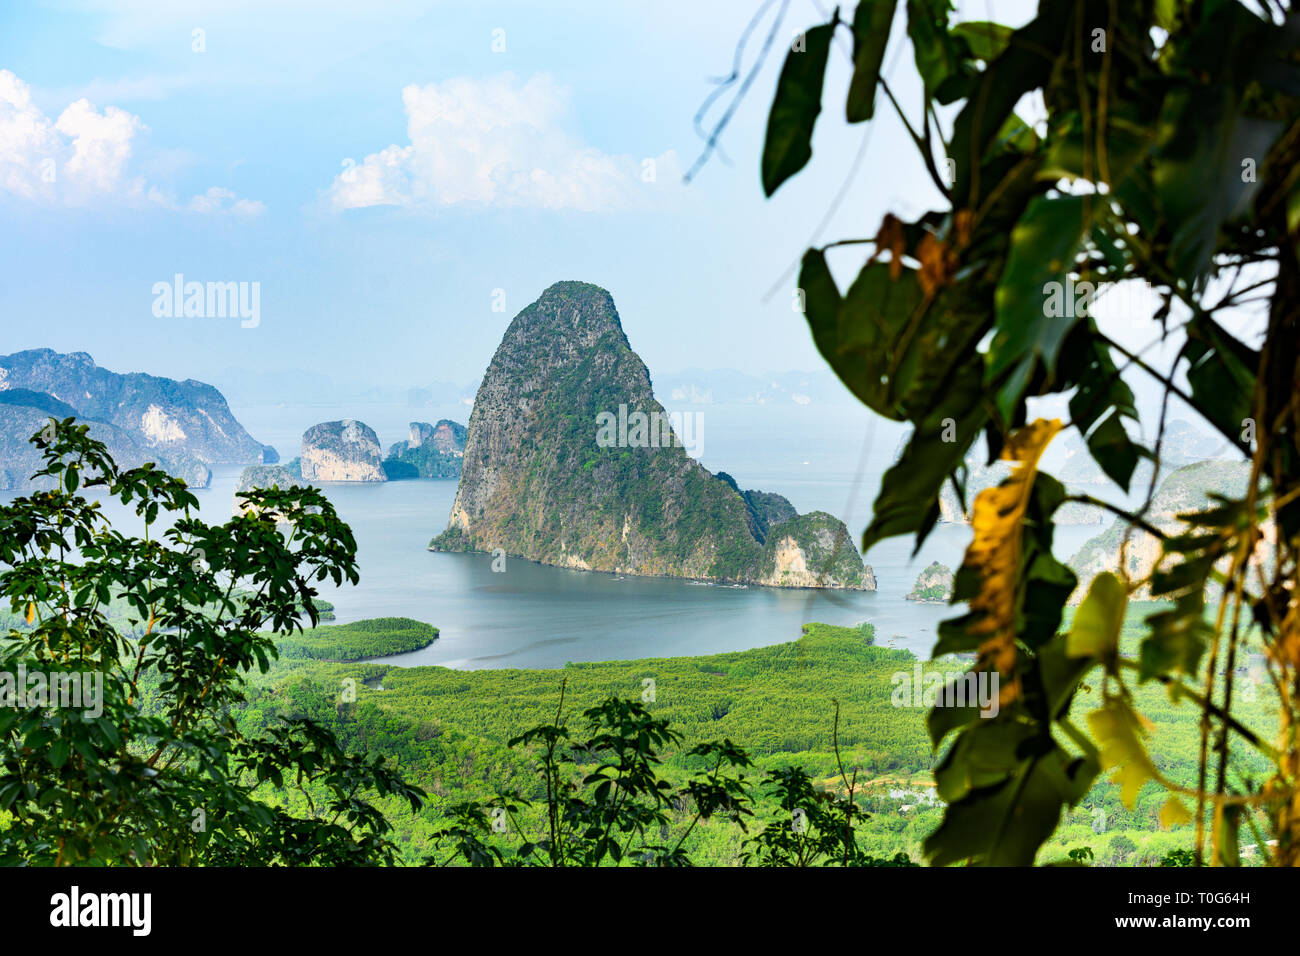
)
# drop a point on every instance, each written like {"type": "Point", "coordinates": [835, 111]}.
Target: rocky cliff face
{"type": "Point", "coordinates": [539, 482]}
{"type": "Point", "coordinates": [185, 423]}
{"type": "Point", "coordinates": [432, 451]}
{"type": "Point", "coordinates": [447, 436]}
{"type": "Point", "coordinates": [1184, 491]}
{"type": "Point", "coordinates": [24, 412]}
{"type": "Point", "coordinates": [813, 551]}
{"type": "Point", "coordinates": [262, 476]}
{"type": "Point", "coordinates": [346, 450]}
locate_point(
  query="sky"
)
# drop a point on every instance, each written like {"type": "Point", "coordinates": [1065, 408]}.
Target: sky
{"type": "Point", "coordinates": [399, 179]}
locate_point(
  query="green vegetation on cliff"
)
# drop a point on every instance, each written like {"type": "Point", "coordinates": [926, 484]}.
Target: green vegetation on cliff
{"type": "Point", "coordinates": [538, 482]}
{"type": "Point", "coordinates": [825, 553]}
{"type": "Point", "coordinates": [766, 509]}
{"type": "Point", "coordinates": [432, 451]}
{"type": "Point", "coordinates": [933, 585]}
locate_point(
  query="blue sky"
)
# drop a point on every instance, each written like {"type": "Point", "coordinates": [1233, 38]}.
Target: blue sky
{"type": "Point", "coordinates": [380, 170]}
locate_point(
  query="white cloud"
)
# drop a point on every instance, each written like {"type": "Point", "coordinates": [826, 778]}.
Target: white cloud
{"type": "Point", "coordinates": [29, 142]}
{"type": "Point", "coordinates": [83, 157]}
{"type": "Point", "coordinates": [99, 146]}
{"type": "Point", "coordinates": [495, 141]}
{"type": "Point", "coordinates": [217, 199]}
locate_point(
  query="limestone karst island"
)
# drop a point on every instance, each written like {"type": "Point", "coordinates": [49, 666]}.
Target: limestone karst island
{"type": "Point", "coordinates": [537, 484]}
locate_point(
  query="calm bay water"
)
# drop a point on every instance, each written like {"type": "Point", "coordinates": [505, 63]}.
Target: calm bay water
{"type": "Point", "coordinates": [535, 616]}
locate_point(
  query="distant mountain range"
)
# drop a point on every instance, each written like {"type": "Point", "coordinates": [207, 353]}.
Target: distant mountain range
{"type": "Point", "coordinates": [301, 387]}
{"type": "Point", "coordinates": [183, 426]}
{"type": "Point", "coordinates": [1185, 490]}
{"type": "Point", "coordinates": [1183, 444]}
{"type": "Point", "coordinates": [694, 386]}
{"type": "Point", "coordinates": [722, 386]}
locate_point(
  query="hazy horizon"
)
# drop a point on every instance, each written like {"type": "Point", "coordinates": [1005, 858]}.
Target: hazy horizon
{"type": "Point", "coordinates": [389, 196]}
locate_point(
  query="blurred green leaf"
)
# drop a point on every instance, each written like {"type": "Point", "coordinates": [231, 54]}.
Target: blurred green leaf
{"type": "Point", "coordinates": [795, 107]}
{"type": "Point", "coordinates": [1036, 306]}
{"type": "Point", "coordinates": [872, 21]}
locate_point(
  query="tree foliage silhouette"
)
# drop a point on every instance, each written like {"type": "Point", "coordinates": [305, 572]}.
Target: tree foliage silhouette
{"type": "Point", "coordinates": [146, 765]}
{"type": "Point", "coordinates": [1167, 156]}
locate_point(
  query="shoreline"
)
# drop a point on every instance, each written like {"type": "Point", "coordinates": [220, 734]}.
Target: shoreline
{"type": "Point", "coordinates": [689, 579]}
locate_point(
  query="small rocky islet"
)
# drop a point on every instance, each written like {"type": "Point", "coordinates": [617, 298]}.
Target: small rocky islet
{"type": "Point", "coordinates": [349, 450]}
{"type": "Point", "coordinates": [933, 585]}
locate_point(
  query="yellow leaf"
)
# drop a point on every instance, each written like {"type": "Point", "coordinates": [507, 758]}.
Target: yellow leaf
{"type": "Point", "coordinates": [963, 223]}
{"type": "Point", "coordinates": [994, 552]}
{"type": "Point", "coordinates": [1118, 730]}
{"type": "Point", "coordinates": [31, 611]}
{"type": "Point", "coordinates": [891, 237]}
{"type": "Point", "coordinates": [1173, 813]}
{"type": "Point", "coordinates": [937, 263]}
{"type": "Point", "coordinates": [1096, 627]}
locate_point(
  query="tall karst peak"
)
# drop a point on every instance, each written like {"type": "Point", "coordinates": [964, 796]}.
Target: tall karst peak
{"type": "Point", "coordinates": [579, 311]}
{"type": "Point", "coordinates": [548, 476]}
